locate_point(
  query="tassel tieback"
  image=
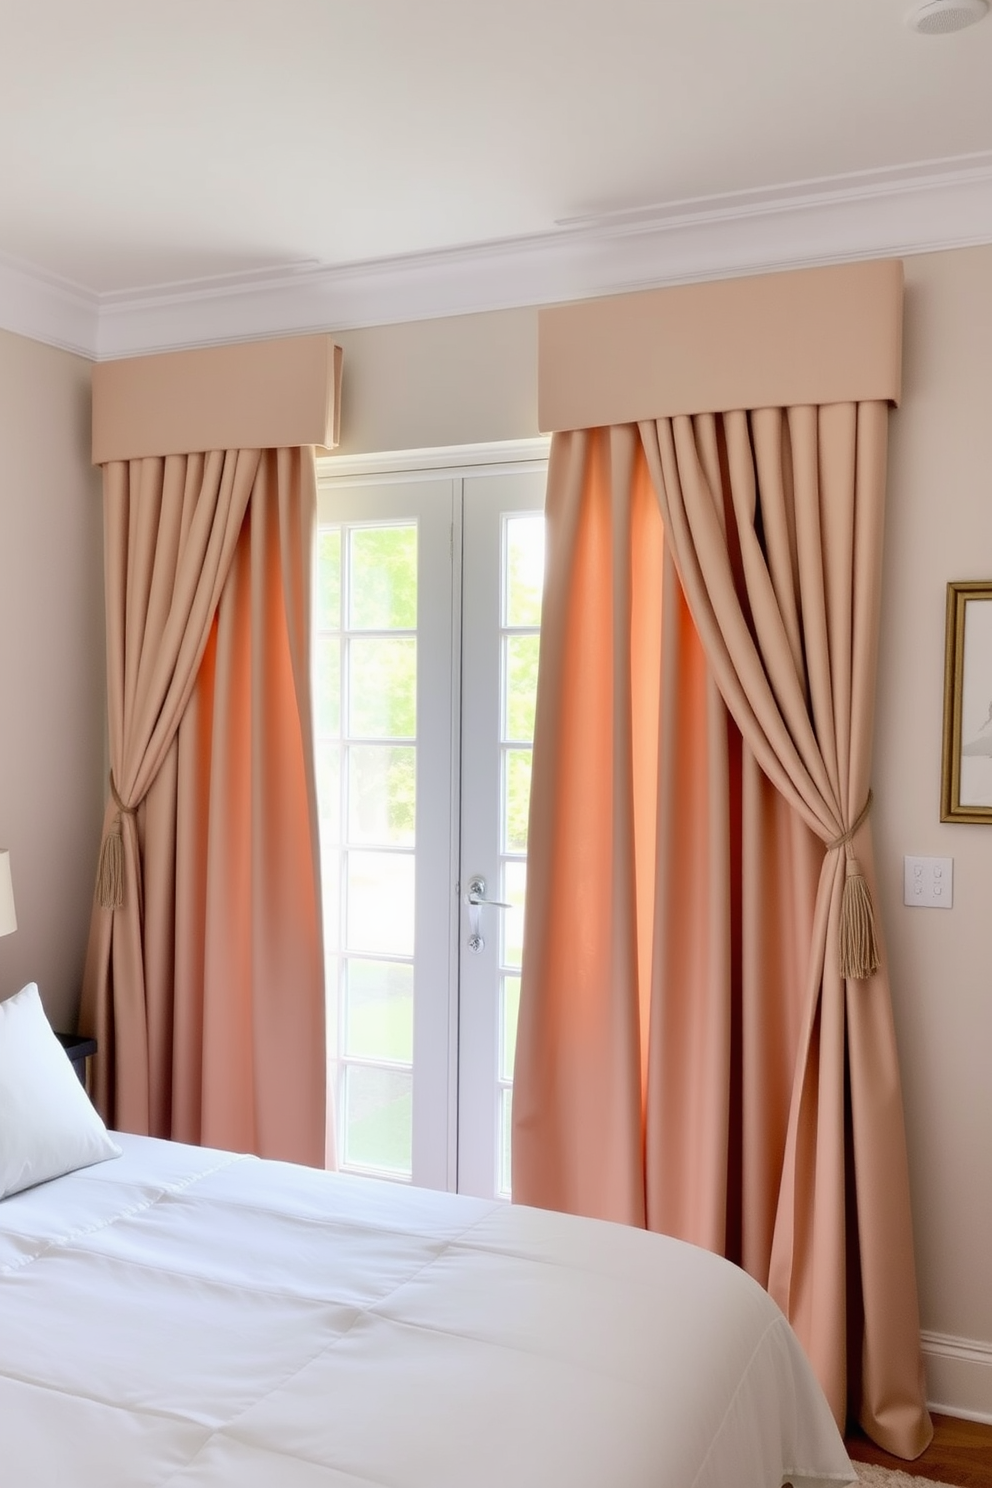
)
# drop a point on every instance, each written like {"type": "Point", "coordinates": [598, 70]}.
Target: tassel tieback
{"type": "Point", "coordinates": [858, 943]}
{"type": "Point", "coordinates": [110, 877]}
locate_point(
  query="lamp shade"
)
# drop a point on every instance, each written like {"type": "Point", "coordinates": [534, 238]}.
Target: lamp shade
{"type": "Point", "coordinates": [8, 919]}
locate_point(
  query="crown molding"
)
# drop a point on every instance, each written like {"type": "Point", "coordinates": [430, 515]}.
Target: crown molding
{"type": "Point", "coordinates": [46, 308]}
{"type": "Point", "coordinates": [920, 208]}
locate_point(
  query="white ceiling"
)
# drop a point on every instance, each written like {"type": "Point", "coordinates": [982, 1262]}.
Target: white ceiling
{"type": "Point", "coordinates": [147, 145]}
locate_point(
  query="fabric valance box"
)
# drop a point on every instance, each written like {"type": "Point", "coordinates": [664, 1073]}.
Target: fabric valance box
{"type": "Point", "coordinates": [816, 336]}
{"type": "Point", "coordinates": [274, 394]}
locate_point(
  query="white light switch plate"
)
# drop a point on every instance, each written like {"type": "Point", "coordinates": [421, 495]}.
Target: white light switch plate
{"type": "Point", "coordinates": [928, 882]}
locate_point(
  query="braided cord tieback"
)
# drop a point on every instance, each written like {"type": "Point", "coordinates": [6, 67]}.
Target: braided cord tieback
{"type": "Point", "coordinates": [858, 943]}
{"type": "Point", "coordinates": [110, 877]}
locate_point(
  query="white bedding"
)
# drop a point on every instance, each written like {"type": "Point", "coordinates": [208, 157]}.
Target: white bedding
{"type": "Point", "coordinates": [186, 1317]}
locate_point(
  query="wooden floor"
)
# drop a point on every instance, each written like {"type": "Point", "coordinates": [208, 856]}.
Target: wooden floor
{"type": "Point", "coordinates": [960, 1453]}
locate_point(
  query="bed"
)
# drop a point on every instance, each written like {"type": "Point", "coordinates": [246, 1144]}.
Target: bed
{"type": "Point", "coordinates": [184, 1317]}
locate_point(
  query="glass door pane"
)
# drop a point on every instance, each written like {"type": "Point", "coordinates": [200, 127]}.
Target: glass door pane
{"type": "Point", "coordinates": [384, 660]}
{"type": "Point", "coordinates": [503, 575]}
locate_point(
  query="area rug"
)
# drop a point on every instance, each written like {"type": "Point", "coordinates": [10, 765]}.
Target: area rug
{"type": "Point", "coordinates": [884, 1477]}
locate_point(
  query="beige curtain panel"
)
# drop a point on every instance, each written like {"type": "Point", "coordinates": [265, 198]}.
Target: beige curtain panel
{"type": "Point", "coordinates": [793, 649]}
{"type": "Point", "coordinates": [699, 1050]}
{"type": "Point", "coordinates": [204, 973]}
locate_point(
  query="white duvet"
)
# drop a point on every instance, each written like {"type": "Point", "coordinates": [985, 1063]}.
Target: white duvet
{"type": "Point", "coordinates": [189, 1318]}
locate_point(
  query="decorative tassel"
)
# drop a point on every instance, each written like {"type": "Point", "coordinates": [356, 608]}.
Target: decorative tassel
{"type": "Point", "coordinates": [858, 946]}
{"type": "Point", "coordinates": [110, 879]}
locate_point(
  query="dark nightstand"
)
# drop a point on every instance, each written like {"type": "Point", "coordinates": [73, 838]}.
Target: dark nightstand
{"type": "Point", "coordinates": [78, 1049]}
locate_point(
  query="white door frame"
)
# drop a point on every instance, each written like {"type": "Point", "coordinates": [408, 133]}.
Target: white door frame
{"type": "Point", "coordinates": [454, 462]}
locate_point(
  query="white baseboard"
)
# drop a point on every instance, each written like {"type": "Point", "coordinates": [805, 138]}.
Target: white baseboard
{"type": "Point", "coordinates": [959, 1376]}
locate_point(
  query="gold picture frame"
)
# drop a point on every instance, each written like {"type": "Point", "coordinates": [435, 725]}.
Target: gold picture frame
{"type": "Point", "coordinates": [966, 767]}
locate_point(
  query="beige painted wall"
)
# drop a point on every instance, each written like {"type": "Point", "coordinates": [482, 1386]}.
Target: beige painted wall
{"type": "Point", "coordinates": [465, 380]}
{"type": "Point", "coordinates": [472, 379]}
{"type": "Point", "coordinates": [939, 528]}
{"type": "Point", "coordinates": [51, 667]}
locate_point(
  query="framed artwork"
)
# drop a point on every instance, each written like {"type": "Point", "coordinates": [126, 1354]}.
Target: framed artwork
{"type": "Point", "coordinates": [966, 773]}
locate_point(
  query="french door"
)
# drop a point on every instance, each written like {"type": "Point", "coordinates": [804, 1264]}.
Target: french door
{"type": "Point", "coordinates": [427, 616]}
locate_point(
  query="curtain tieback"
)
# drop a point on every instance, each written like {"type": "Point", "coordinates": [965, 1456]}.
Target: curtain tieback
{"type": "Point", "coordinates": [110, 878]}
{"type": "Point", "coordinates": [858, 943]}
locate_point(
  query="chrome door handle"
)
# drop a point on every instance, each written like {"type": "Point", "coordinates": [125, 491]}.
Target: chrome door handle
{"type": "Point", "coordinates": [477, 895]}
{"type": "Point", "coordinates": [475, 898]}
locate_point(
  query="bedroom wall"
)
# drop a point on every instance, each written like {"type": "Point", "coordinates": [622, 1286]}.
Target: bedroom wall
{"type": "Point", "coordinates": [464, 380]}
{"type": "Point", "coordinates": [51, 667]}
{"type": "Point", "coordinates": [472, 379]}
{"type": "Point", "coordinates": [939, 528]}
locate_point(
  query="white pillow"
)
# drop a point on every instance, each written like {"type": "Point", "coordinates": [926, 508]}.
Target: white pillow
{"type": "Point", "coordinates": [47, 1125]}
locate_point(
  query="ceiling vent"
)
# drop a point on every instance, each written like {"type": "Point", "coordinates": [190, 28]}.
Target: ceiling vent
{"type": "Point", "coordinates": [938, 17]}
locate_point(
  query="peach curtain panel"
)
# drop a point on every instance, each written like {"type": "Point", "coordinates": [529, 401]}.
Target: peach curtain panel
{"type": "Point", "coordinates": [659, 1020]}
{"type": "Point", "coordinates": [793, 500]}
{"type": "Point", "coordinates": [204, 985]}
{"type": "Point", "coordinates": [689, 1055]}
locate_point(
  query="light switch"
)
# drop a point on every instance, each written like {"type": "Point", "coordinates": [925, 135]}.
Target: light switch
{"type": "Point", "coordinates": [928, 883]}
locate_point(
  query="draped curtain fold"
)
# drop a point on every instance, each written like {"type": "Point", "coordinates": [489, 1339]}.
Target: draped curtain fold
{"type": "Point", "coordinates": [204, 985]}
{"type": "Point", "coordinates": [799, 493]}
{"type": "Point", "coordinates": [689, 1057]}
